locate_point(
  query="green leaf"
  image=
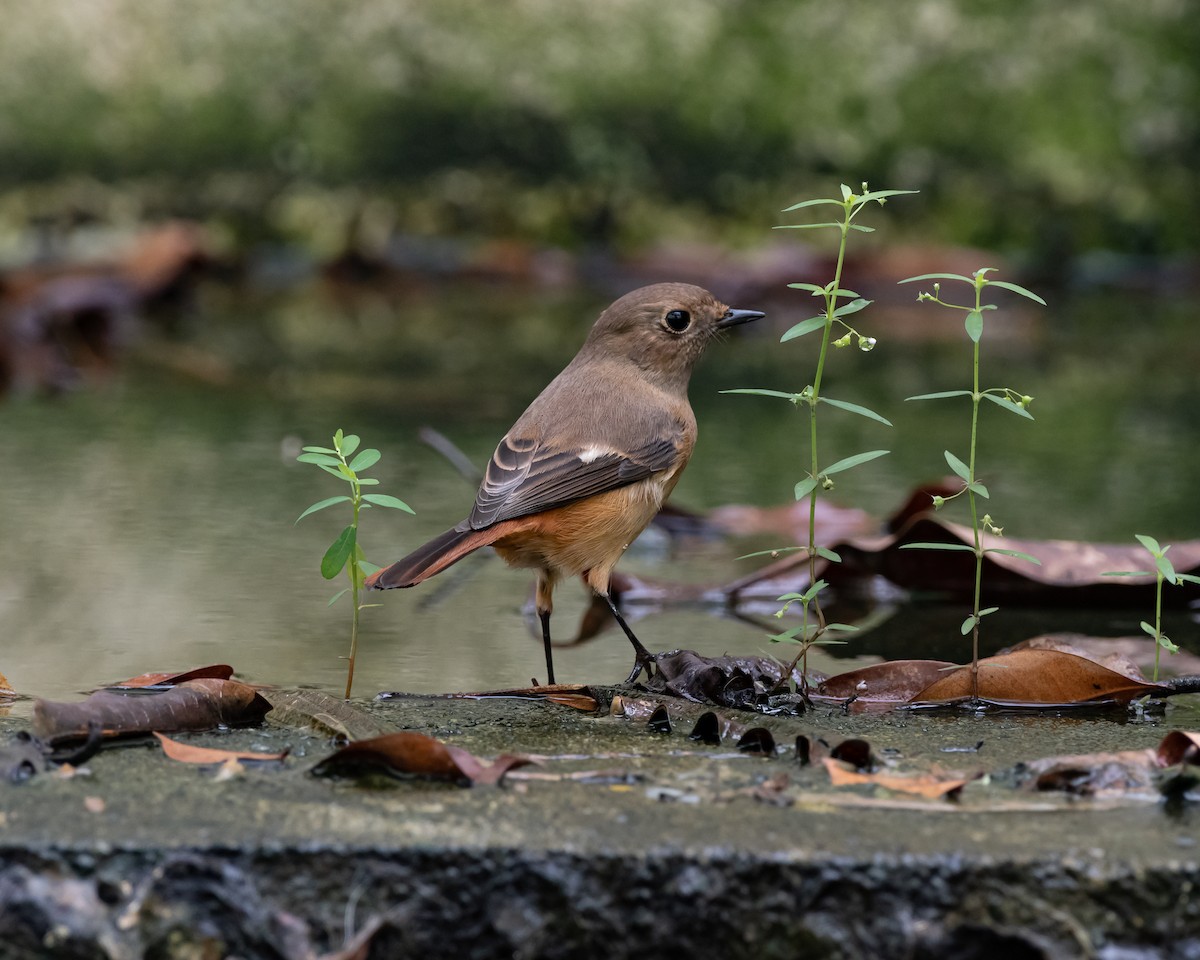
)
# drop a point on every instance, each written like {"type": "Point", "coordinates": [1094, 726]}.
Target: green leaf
{"type": "Point", "coordinates": [1128, 573]}
{"type": "Point", "coordinates": [810, 287]}
{"type": "Point", "coordinates": [854, 461]}
{"type": "Point", "coordinates": [338, 553]}
{"type": "Point", "coordinates": [1150, 544]}
{"type": "Point", "coordinates": [860, 228]}
{"type": "Point", "coordinates": [938, 276]}
{"type": "Point", "coordinates": [968, 625]}
{"type": "Point", "coordinates": [751, 391]}
{"type": "Point", "coordinates": [839, 292]}
{"type": "Point", "coordinates": [349, 445]}
{"type": "Point", "coordinates": [1149, 629]}
{"type": "Point", "coordinates": [805, 487]}
{"type": "Point", "coordinates": [321, 505]}
{"type": "Point", "coordinates": [829, 554]}
{"type": "Point", "coordinates": [852, 307]}
{"type": "Point", "coordinates": [1165, 642]}
{"type": "Point", "coordinates": [1017, 289]}
{"type": "Point", "coordinates": [808, 595]}
{"type": "Point", "coordinates": [1186, 578]}
{"type": "Point", "coordinates": [337, 596]}
{"type": "Point", "coordinates": [367, 567]}
{"type": "Point", "coordinates": [986, 610]}
{"type": "Point", "coordinates": [320, 459]}
{"type": "Point", "coordinates": [847, 193]}
{"type": "Point", "coordinates": [937, 546]}
{"type": "Point", "coordinates": [812, 203]}
{"type": "Point", "coordinates": [383, 500]}
{"type": "Point", "coordinates": [1008, 405]}
{"type": "Point", "coordinates": [1015, 553]}
{"type": "Point", "coordinates": [855, 408]}
{"type": "Point", "coordinates": [803, 327]}
{"type": "Point", "coordinates": [941, 395]}
{"type": "Point", "coordinates": [769, 553]}
{"type": "Point", "coordinates": [368, 458]}
{"type": "Point", "coordinates": [974, 325]}
{"type": "Point", "coordinates": [979, 490]}
{"type": "Point", "coordinates": [1166, 568]}
{"type": "Point", "coordinates": [336, 472]}
{"type": "Point", "coordinates": [883, 194]}
{"type": "Point", "coordinates": [807, 226]}
{"type": "Point", "coordinates": [958, 466]}
{"type": "Point", "coordinates": [841, 628]}
{"type": "Point", "coordinates": [367, 482]}
{"type": "Point", "coordinates": [318, 450]}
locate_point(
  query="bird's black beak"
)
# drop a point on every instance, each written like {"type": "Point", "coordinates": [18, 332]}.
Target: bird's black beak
{"type": "Point", "coordinates": [733, 317]}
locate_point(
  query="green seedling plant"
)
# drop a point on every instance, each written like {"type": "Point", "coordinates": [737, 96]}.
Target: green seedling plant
{"type": "Point", "coordinates": [838, 304]}
{"type": "Point", "coordinates": [1164, 570]}
{"type": "Point", "coordinates": [1004, 397]}
{"type": "Point", "coordinates": [345, 553]}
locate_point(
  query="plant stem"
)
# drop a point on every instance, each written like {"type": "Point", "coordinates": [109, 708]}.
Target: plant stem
{"type": "Point", "coordinates": [355, 590]}
{"type": "Point", "coordinates": [831, 300]}
{"type": "Point", "coordinates": [975, 398]}
{"type": "Point", "coordinates": [1157, 618]}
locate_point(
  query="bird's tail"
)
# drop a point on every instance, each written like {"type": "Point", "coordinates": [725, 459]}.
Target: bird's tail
{"type": "Point", "coordinates": [430, 559]}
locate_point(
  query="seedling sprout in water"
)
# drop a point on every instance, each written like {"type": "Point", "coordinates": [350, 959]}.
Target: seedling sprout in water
{"type": "Point", "coordinates": [1004, 397]}
{"type": "Point", "coordinates": [345, 553]}
{"type": "Point", "coordinates": [839, 304]}
{"type": "Point", "coordinates": [1163, 570]}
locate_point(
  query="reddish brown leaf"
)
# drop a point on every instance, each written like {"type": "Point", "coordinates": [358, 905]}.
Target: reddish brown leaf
{"type": "Point", "coordinates": [187, 753]}
{"type": "Point", "coordinates": [1178, 746]}
{"type": "Point", "coordinates": [414, 754]}
{"type": "Point", "coordinates": [1038, 678]}
{"type": "Point", "coordinates": [215, 671]}
{"type": "Point", "coordinates": [192, 705]}
{"type": "Point", "coordinates": [896, 681]}
{"type": "Point", "coordinates": [923, 785]}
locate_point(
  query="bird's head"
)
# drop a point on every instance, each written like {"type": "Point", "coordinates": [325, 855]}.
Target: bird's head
{"type": "Point", "coordinates": [664, 328]}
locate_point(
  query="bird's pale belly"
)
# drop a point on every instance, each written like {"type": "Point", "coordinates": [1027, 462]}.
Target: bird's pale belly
{"type": "Point", "coordinates": [590, 534]}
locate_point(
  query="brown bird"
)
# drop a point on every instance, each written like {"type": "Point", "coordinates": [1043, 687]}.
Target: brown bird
{"type": "Point", "coordinates": [589, 464]}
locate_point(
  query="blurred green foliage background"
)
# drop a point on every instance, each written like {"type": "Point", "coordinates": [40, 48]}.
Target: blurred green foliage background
{"type": "Point", "coordinates": [1049, 126]}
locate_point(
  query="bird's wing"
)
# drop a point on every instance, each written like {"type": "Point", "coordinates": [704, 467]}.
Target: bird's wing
{"type": "Point", "coordinates": [526, 476]}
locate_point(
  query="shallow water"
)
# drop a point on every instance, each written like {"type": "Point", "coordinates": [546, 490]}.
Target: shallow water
{"type": "Point", "coordinates": [147, 523]}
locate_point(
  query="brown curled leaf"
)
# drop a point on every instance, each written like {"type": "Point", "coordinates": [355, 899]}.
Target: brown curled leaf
{"type": "Point", "coordinates": [214, 671]}
{"type": "Point", "coordinates": [192, 705]}
{"type": "Point", "coordinates": [1178, 746]}
{"type": "Point", "coordinates": [409, 754]}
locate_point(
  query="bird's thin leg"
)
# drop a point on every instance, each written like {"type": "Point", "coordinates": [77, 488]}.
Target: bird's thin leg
{"type": "Point", "coordinates": [643, 658]}
{"type": "Point", "coordinates": [544, 602]}
{"type": "Point", "coordinates": [544, 616]}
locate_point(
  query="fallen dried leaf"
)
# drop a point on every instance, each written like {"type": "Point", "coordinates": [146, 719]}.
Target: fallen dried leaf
{"type": "Point", "coordinates": [923, 785]}
{"type": "Point", "coordinates": [187, 753]}
{"type": "Point", "coordinates": [895, 681]}
{"type": "Point", "coordinates": [192, 705]}
{"type": "Point", "coordinates": [1178, 746]}
{"type": "Point", "coordinates": [414, 754]}
{"type": "Point", "coordinates": [1039, 678]}
{"type": "Point", "coordinates": [216, 671]}
{"type": "Point", "coordinates": [1094, 774]}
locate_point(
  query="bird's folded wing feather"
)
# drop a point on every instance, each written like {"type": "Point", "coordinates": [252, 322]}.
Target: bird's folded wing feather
{"type": "Point", "coordinates": [526, 476]}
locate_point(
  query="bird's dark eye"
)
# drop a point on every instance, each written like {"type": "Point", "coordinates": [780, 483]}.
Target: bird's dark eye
{"type": "Point", "coordinates": [678, 320]}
